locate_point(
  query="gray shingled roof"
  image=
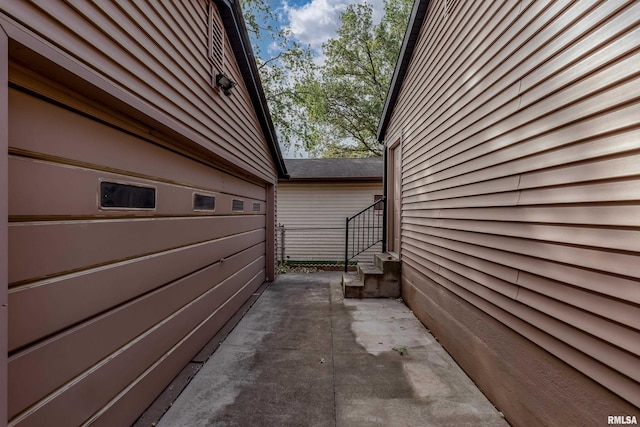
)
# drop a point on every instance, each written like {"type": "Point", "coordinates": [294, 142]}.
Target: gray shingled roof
{"type": "Point", "coordinates": [365, 169]}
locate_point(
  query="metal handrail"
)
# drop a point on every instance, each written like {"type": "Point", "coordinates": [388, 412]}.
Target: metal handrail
{"type": "Point", "coordinates": [370, 234]}
{"type": "Point", "coordinates": [366, 209]}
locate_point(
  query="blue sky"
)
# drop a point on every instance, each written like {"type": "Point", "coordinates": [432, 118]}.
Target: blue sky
{"type": "Point", "coordinates": [313, 22]}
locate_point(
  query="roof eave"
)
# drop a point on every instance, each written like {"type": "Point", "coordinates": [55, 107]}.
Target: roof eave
{"type": "Point", "coordinates": [334, 179]}
{"type": "Point", "coordinates": [416, 19]}
{"type": "Point", "coordinates": [241, 45]}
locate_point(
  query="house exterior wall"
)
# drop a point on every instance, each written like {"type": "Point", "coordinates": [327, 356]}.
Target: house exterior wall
{"type": "Point", "coordinates": [154, 56]}
{"type": "Point", "coordinates": [314, 214]}
{"type": "Point", "coordinates": [520, 236]}
{"type": "Point", "coordinates": [106, 306]}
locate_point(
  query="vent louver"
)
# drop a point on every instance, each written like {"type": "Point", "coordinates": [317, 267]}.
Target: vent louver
{"type": "Point", "coordinates": [216, 39]}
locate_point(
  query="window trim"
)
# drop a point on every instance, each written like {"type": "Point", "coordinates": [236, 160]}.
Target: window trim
{"type": "Point", "coordinates": [200, 193]}
{"type": "Point", "coordinates": [130, 183]}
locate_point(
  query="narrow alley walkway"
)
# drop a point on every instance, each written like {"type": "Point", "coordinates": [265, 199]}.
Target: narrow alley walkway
{"type": "Point", "coordinates": [304, 356]}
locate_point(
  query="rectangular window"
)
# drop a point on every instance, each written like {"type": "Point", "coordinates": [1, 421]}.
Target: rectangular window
{"type": "Point", "coordinates": [127, 196]}
{"type": "Point", "coordinates": [203, 203]}
{"type": "Point", "coordinates": [256, 207]}
{"type": "Point", "coordinates": [237, 205]}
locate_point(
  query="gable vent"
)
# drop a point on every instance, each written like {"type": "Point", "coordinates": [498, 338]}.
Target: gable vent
{"type": "Point", "coordinates": [216, 39]}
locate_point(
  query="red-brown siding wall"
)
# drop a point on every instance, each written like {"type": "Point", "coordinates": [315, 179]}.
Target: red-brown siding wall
{"type": "Point", "coordinates": [103, 301]}
{"type": "Point", "coordinates": [521, 200]}
{"type": "Point", "coordinates": [156, 52]}
{"type": "Point", "coordinates": [107, 306]}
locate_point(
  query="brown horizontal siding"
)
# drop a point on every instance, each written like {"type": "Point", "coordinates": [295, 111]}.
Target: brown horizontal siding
{"type": "Point", "coordinates": [584, 151]}
{"type": "Point", "coordinates": [124, 408]}
{"type": "Point", "coordinates": [624, 288]}
{"type": "Point", "coordinates": [607, 332]}
{"type": "Point", "coordinates": [583, 352]}
{"type": "Point", "coordinates": [489, 116]}
{"type": "Point", "coordinates": [81, 185]}
{"type": "Point", "coordinates": [36, 372]}
{"type": "Point", "coordinates": [50, 248]}
{"type": "Point", "coordinates": [621, 239]}
{"type": "Point", "coordinates": [173, 77]}
{"type": "Point", "coordinates": [530, 122]}
{"type": "Point", "coordinates": [41, 308]}
{"type": "Point", "coordinates": [618, 215]}
{"type": "Point", "coordinates": [106, 306]}
{"type": "Point", "coordinates": [96, 386]}
{"type": "Point", "coordinates": [110, 149]}
{"type": "Point", "coordinates": [521, 189]}
{"type": "Point", "coordinates": [485, 340]}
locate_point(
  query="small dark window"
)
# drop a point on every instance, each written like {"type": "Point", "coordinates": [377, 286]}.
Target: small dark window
{"type": "Point", "coordinates": [114, 195]}
{"type": "Point", "coordinates": [204, 203]}
{"type": "Point", "coordinates": [256, 207]}
{"type": "Point", "coordinates": [378, 206]}
{"type": "Point", "coordinates": [237, 205]}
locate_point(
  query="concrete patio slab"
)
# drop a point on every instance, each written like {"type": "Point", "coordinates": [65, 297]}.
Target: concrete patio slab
{"type": "Point", "coordinates": [304, 356]}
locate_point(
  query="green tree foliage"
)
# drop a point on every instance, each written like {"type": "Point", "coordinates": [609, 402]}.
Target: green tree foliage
{"type": "Point", "coordinates": [285, 62]}
{"type": "Point", "coordinates": [346, 94]}
{"type": "Point", "coordinates": [331, 109]}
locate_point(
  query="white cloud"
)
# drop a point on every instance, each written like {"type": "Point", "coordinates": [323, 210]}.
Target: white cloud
{"type": "Point", "coordinates": [317, 21]}
{"type": "Point", "coordinates": [378, 10]}
{"type": "Point", "coordinates": [273, 48]}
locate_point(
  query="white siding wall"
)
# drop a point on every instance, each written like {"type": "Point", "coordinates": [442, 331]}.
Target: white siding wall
{"type": "Point", "coordinates": [314, 217]}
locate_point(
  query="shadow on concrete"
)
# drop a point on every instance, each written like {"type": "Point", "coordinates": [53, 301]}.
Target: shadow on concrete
{"type": "Point", "coordinates": [304, 356]}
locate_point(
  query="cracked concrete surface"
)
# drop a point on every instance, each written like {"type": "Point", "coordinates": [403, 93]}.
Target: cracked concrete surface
{"type": "Point", "coordinates": [304, 356]}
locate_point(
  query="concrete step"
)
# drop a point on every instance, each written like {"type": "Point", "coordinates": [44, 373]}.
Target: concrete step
{"type": "Point", "coordinates": [374, 281]}
{"type": "Point", "coordinates": [389, 264]}
{"type": "Point", "coordinates": [352, 287]}
{"type": "Point", "coordinates": [368, 272]}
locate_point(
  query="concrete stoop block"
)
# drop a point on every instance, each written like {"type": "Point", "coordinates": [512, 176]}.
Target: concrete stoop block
{"type": "Point", "coordinates": [378, 280]}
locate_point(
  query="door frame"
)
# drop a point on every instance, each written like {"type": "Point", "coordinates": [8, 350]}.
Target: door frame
{"type": "Point", "coordinates": [394, 221]}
